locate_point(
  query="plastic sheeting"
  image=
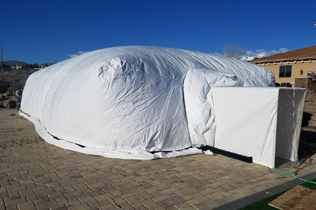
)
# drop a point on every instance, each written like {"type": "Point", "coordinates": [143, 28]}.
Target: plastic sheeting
{"type": "Point", "coordinates": [131, 102]}
{"type": "Point", "coordinates": [198, 102]}
{"type": "Point", "coordinates": [262, 123]}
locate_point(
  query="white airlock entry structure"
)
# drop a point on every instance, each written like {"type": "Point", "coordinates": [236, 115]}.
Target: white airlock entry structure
{"type": "Point", "coordinates": [262, 123]}
{"type": "Point", "coordinates": [134, 102]}
{"type": "Point", "coordinates": [198, 102]}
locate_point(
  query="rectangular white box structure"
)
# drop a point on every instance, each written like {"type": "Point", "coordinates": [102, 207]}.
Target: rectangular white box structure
{"type": "Point", "coordinates": [259, 122]}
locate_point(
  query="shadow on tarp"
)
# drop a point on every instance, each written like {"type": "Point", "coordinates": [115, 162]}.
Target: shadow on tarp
{"type": "Point", "coordinates": [306, 149]}
{"type": "Point", "coordinates": [265, 194]}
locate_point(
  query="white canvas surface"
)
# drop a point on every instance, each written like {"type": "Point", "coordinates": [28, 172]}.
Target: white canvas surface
{"type": "Point", "coordinates": [290, 113]}
{"type": "Point", "coordinates": [261, 123]}
{"type": "Point", "coordinates": [131, 100]}
{"type": "Point", "coordinates": [198, 102]}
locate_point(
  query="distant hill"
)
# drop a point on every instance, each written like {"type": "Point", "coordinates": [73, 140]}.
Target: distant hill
{"type": "Point", "coordinates": [23, 64]}
{"type": "Point", "coordinates": [13, 63]}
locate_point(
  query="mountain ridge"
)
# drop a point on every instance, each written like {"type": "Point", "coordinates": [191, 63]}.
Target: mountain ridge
{"type": "Point", "coordinates": [14, 62]}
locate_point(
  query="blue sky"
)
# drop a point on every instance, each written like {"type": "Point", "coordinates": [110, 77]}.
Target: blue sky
{"type": "Point", "coordinates": [46, 31]}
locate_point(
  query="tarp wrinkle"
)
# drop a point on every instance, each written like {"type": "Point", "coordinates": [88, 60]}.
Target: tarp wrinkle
{"type": "Point", "coordinates": [126, 102]}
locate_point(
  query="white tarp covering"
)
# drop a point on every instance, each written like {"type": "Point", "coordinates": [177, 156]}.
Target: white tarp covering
{"type": "Point", "coordinates": [127, 102]}
{"type": "Point", "coordinates": [198, 102]}
{"type": "Point", "coordinates": [262, 123]}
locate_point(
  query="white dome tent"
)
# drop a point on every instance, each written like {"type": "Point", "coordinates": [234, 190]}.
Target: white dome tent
{"type": "Point", "coordinates": [134, 102]}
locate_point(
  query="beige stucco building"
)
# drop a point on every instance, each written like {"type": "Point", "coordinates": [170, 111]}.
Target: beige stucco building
{"type": "Point", "coordinates": [290, 65]}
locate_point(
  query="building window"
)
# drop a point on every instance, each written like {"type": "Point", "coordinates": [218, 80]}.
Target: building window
{"type": "Point", "coordinates": [285, 71]}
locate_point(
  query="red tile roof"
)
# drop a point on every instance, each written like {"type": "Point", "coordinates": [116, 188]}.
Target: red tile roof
{"type": "Point", "coordinates": [300, 54]}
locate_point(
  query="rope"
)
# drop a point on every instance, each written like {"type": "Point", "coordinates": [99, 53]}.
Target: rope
{"type": "Point", "coordinates": [295, 176]}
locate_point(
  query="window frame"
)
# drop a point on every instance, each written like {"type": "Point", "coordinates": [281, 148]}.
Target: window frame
{"type": "Point", "coordinates": [286, 71]}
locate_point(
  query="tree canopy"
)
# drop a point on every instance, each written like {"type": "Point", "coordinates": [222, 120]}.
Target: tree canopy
{"type": "Point", "coordinates": [234, 51]}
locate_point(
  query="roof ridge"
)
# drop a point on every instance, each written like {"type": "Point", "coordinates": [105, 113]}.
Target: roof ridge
{"type": "Point", "coordinates": [281, 56]}
{"type": "Point", "coordinates": [299, 49]}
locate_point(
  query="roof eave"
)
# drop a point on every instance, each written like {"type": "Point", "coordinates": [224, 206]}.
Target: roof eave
{"type": "Point", "coordinates": [285, 59]}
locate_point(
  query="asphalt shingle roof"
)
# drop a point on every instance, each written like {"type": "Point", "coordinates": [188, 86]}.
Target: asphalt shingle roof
{"type": "Point", "coordinates": [303, 53]}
